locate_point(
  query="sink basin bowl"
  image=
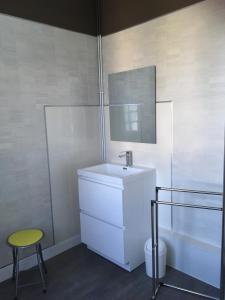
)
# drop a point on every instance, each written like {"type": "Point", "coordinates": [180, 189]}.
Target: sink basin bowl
{"type": "Point", "coordinates": [113, 173]}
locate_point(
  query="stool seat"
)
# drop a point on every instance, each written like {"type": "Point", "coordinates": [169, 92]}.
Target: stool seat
{"type": "Point", "coordinates": [25, 238]}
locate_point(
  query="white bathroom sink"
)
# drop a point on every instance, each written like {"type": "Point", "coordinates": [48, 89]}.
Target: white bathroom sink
{"type": "Point", "coordinates": [113, 173]}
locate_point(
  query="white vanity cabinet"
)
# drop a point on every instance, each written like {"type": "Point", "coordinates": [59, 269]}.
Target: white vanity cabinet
{"type": "Point", "coordinates": [115, 211]}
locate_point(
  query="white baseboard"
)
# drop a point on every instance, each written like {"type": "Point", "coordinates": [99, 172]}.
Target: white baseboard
{"type": "Point", "coordinates": [196, 258]}
{"type": "Point", "coordinates": [29, 262]}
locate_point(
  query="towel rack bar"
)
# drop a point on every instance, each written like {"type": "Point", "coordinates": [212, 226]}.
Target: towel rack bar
{"type": "Point", "coordinates": [189, 291]}
{"type": "Point", "coordinates": [189, 205]}
{"type": "Point", "coordinates": [189, 191]}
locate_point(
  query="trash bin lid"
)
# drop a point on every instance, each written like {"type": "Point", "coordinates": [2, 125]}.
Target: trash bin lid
{"type": "Point", "coordinates": [162, 246]}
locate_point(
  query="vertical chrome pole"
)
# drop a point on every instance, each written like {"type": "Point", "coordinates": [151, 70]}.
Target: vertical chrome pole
{"type": "Point", "coordinates": [153, 250]}
{"type": "Point", "coordinates": [222, 269]}
{"type": "Point", "coordinates": [157, 239]}
{"type": "Point", "coordinates": [100, 81]}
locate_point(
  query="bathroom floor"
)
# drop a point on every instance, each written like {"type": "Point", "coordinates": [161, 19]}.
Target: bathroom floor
{"type": "Point", "coordinates": [80, 274]}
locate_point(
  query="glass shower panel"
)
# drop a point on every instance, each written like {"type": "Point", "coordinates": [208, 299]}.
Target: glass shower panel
{"type": "Point", "coordinates": [73, 142]}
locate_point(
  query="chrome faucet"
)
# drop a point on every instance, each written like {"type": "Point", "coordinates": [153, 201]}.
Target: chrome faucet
{"type": "Point", "coordinates": [129, 157]}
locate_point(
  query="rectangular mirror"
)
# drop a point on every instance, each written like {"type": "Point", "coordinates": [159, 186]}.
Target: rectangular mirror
{"type": "Point", "coordinates": [132, 105]}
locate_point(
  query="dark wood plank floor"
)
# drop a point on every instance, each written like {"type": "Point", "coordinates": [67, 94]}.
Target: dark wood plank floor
{"type": "Point", "coordinates": [80, 274]}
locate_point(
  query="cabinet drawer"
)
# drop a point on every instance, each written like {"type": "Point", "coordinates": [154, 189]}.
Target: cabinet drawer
{"type": "Point", "coordinates": [101, 201]}
{"type": "Point", "coordinates": [104, 238]}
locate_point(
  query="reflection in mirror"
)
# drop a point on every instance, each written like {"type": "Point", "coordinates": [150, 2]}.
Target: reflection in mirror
{"type": "Point", "coordinates": [132, 101]}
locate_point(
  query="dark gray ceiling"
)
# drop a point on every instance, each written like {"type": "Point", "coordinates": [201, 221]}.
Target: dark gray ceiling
{"type": "Point", "coordinates": [121, 14]}
{"type": "Point", "coordinates": [76, 15]}
{"type": "Point", "coordinates": [81, 16]}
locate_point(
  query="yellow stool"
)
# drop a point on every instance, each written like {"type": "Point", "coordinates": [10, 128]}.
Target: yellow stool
{"type": "Point", "coordinates": [23, 239]}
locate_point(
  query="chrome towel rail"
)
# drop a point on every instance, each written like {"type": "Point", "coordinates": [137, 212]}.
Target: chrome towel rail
{"type": "Point", "coordinates": [189, 191]}
{"type": "Point", "coordinates": [156, 284]}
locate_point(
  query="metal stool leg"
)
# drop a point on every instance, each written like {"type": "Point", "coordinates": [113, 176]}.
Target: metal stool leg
{"type": "Point", "coordinates": [14, 263]}
{"type": "Point", "coordinates": [42, 260]}
{"type": "Point", "coordinates": [40, 269]}
{"type": "Point", "coordinates": [17, 270]}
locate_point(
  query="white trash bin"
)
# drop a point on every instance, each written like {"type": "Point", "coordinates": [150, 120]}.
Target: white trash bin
{"type": "Point", "coordinates": [162, 258]}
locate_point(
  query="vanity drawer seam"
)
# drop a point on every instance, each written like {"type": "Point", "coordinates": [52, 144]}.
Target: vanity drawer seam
{"type": "Point", "coordinates": [101, 220]}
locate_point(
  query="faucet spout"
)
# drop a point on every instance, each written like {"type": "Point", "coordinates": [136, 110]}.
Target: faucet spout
{"type": "Point", "coordinates": [129, 157]}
